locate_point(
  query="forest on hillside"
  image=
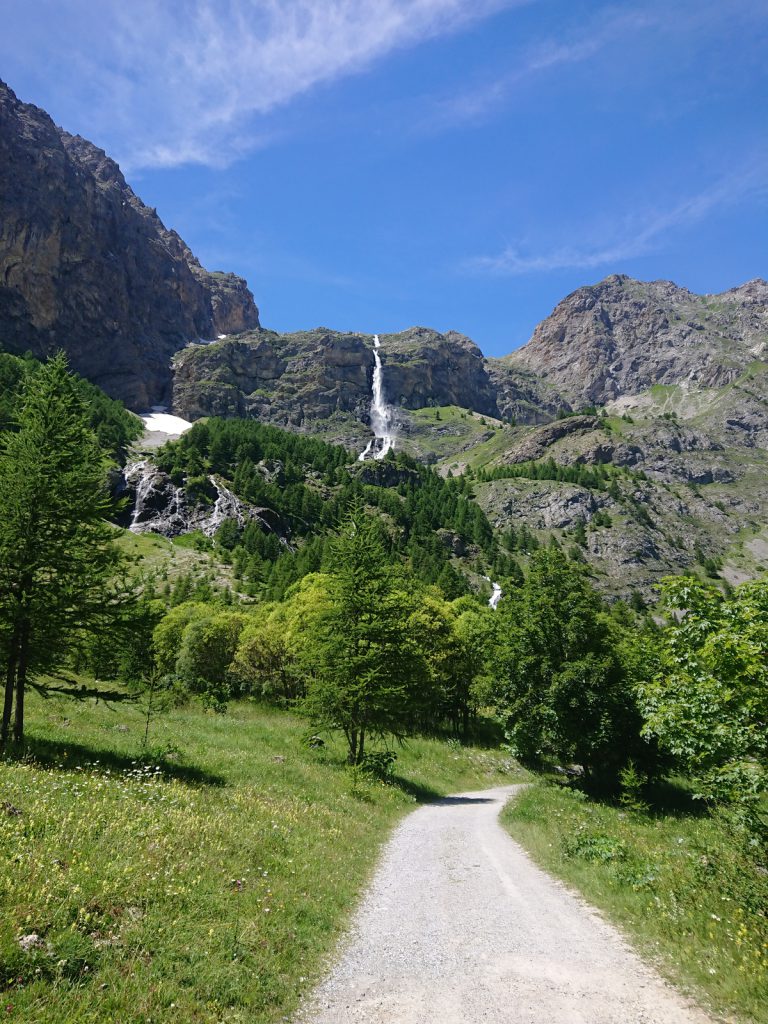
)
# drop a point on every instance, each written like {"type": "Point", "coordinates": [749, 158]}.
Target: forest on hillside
{"type": "Point", "coordinates": [352, 614]}
{"type": "Point", "coordinates": [354, 610]}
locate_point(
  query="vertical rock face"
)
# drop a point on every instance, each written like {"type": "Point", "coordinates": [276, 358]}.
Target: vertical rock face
{"type": "Point", "coordinates": [156, 505]}
{"type": "Point", "coordinates": [622, 336]}
{"type": "Point", "coordinates": [424, 367]}
{"type": "Point", "coordinates": [86, 266]}
{"type": "Point", "coordinates": [293, 379]}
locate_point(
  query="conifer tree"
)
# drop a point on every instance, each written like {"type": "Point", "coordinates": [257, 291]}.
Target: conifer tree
{"type": "Point", "coordinates": [367, 676]}
{"type": "Point", "coordinates": [56, 559]}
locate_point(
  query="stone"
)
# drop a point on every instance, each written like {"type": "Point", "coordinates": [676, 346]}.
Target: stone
{"type": "Point", "coordinates": [87, 267]}
{"type": "Point", "coordinates": [623, 336]}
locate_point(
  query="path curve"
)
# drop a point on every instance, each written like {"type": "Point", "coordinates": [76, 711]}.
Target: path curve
{"type": "Point", "coordinates": [460, 927]}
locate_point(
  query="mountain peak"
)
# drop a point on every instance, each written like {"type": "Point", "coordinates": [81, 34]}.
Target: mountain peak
{"type": "Point", "coordinates": [621, 336]}
{"type": "Point", "coordinates": [87, 267]}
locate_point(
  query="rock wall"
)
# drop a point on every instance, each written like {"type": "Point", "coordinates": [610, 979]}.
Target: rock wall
{"type": "Point", "coordinates": [86, 267]}
{"type": "Point", "coordinates": [623, 336]}
{"type": "Point", "coordinates": [156, 505]}
{"type": "Point", "coordinates": [297, 379]}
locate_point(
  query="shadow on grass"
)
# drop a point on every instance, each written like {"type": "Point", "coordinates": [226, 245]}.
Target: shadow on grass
{"type": "Point", "coordinates": [449, 800]}
{"type": "Point", "coordinates": [427, 795]}
{"type": "Point", "coordinates": [485, 733]}
{"type": "Point", "coordinates": [79, 691]}
{"type": "Point", "coordinates": [55, 755]}
{"type": "Point", "coordinates": [671, 797]}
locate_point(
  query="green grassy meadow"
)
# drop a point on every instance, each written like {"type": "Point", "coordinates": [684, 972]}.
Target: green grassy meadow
{"type": "Point", "coordinates": [206, 877]}
{"type": "Point", "coordinates": [679, 882]}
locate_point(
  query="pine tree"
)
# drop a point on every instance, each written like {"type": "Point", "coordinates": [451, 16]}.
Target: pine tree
{"type": "Point", "coordinates": [56, 559]}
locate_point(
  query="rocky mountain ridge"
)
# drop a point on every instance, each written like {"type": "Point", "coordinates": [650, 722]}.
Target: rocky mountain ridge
{"type": "Point", "coordinates": [666, 388]}
{"type": "Point", "coordinates": [623, 336]}
{"type": "Point", "coordinates": [87, 267]}
{"type": "Point", "coordinates": [601, 344]}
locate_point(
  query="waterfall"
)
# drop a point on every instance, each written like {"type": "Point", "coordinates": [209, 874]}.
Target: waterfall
{"type": "Point", "coordinates": [158, 505]}
{"type": "Point", "coordinates": [227, 506]}
{"type": "Point", "coordinates": [381, 414]}
{"type": "Point", "coordinates": [496, 595]}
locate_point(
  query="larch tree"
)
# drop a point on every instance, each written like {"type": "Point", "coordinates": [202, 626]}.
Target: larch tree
{"type": "Point", "coordinates": [367, 675]}
{"type": "Point", "coordinates": [57, 562]}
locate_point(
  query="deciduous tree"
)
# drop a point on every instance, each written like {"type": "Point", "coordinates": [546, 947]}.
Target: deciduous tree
{"type": "Point", "coordinates": [708, 704]}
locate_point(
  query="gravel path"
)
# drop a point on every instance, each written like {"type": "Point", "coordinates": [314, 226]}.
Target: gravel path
{"type": "Point", "coordinates": [460, 927]}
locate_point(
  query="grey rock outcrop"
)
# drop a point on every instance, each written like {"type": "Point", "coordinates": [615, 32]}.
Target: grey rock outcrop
{"type": "Point", "coordinates": [623, 336]}
{"type": "Point", "coordinates": [536, 444]}
{"type": "Point", "coordinates": [286, 379]}
{"type": "Point", "coordinates": [296, 379]}
{"type": "Point", "coordinates": [87, 267]}
{"type": "Point", "coordinates": [156, 505]}
{"type": "Point", "coordinates": [424, 367]}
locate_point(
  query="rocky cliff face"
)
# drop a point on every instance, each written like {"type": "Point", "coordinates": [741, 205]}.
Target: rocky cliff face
{"type": "Point", "coordinates": [623, 336]}
{"type": "Point", "coordinates": [296, 380]}
{"type": "Point", "coordinates": [85, 266]}
{"type": "Point", "coordinates": [156, 505]}
{"type": "Point", "coordinates": [424, 367]}
{"type": "Point", "coordinates": [291, 380]}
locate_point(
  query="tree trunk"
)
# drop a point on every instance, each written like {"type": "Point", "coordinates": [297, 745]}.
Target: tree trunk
{"type": "Point", "coordinates": [361, 747]}
{"type": "Point", "coordinates": [352, 741]}
{"type": "Point", "coordinates": [21, 682]}
{"type": "Point", "coordinates": [10, 680]}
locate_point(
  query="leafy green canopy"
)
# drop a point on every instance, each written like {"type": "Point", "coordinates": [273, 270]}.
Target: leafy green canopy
{"type": "Point", "coordinates": [708, 704]}
{"type": "Point", "coordinates": [364, 647]}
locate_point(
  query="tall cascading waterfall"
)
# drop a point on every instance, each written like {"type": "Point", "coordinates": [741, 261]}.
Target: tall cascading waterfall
{"type": "Point", "coordinates": [381, 414]}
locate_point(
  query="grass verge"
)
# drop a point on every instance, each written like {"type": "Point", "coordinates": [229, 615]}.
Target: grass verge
{"type": "Point", "coordinates": [681, 884]}
{"type": "Point", "coordinates": [207, 882]}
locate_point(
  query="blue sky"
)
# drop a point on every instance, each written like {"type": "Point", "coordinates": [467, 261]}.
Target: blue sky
{"type": "Point", "coordinates": [373, 164]}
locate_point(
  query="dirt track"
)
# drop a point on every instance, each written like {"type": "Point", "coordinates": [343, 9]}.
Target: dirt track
{"type": "Point", "coordinates": [460, 927]}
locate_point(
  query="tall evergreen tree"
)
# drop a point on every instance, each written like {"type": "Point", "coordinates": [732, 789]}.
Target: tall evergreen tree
{"type": "Point", "coordinates": [56, 559]}
{"type": "Point", "coordinates": [368, 677]}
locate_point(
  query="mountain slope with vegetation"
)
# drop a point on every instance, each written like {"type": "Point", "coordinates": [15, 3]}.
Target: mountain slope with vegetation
{"type": "Point", "coordinates": [676, 379]}
{"type": "Point", "coordinates": [301, 488]}
{"type": "Point", "coordinates": [680, 377]}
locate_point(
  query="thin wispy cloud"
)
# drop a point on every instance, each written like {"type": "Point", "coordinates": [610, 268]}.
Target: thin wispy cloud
{"type": "Point", "coordinates": [192, 81]}
{"type": "Point", "coordinates": [639, 235]}
{"type": "Point", "coordinates": [613, 28]}
{"type": "Point", "coordinates": [481, 100]}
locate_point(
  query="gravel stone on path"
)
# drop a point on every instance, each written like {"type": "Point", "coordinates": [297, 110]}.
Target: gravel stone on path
{"type": "Point", "coordinates": [460, 927]}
